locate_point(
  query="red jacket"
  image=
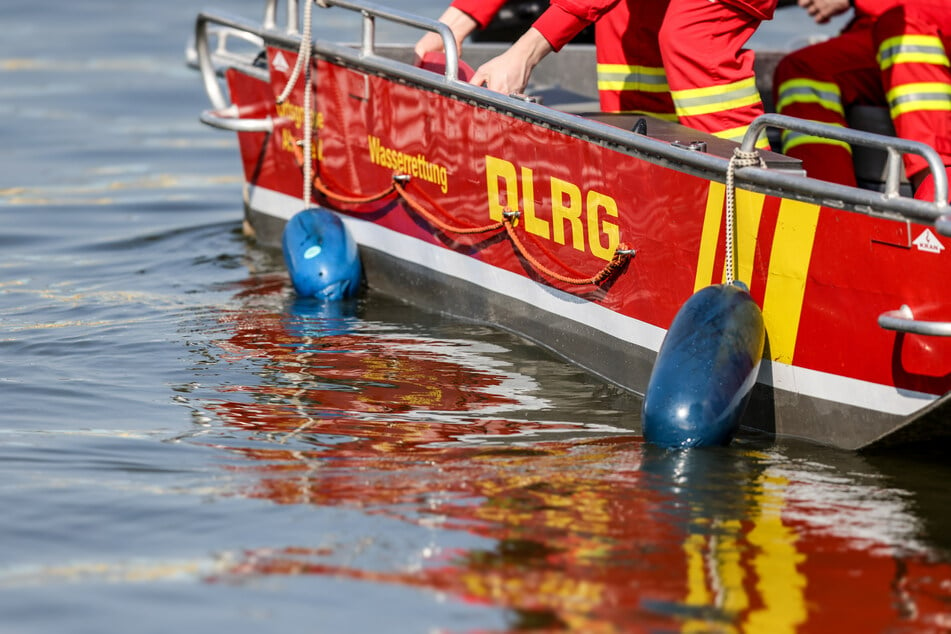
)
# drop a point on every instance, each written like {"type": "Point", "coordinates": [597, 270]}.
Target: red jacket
{"type": "Point", "coordinates": [559, 24]}
{"type": "Point", "coordinates": [564, 19]}
{"type": "Point", "coordinates": [872, 8]}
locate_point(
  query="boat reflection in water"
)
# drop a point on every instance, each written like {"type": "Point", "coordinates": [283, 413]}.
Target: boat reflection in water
{"type": "Point", "coordinates": [577, 525]}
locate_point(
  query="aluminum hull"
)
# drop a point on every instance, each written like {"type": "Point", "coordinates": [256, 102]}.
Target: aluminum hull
{"type": "Point", "coordinates": [824, 261]}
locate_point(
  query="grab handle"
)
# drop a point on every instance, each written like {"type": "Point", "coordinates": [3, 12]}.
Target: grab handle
{"type": "Point", "coordinates": [903, 320]}
{"type": "Point", "coordinates": [370, 11]}
{"type": "Point", "coordinates": [894, 147]}
{"type": "Point", "coordinates": [229, 119]}
{"type": "Point", "coordinates": [224, 115]}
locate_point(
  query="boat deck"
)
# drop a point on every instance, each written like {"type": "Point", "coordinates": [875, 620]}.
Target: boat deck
{"type": "Point", "coordinates": [678, 134]}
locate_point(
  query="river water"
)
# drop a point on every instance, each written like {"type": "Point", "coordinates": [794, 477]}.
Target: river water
{"type": "Point", "coordinates": [184, 446]}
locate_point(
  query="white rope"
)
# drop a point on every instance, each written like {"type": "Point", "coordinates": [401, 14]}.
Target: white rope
{"type": "Point", "coordinates": [739, 159]}
{"type": "Point", "coordinates": [303, 62]}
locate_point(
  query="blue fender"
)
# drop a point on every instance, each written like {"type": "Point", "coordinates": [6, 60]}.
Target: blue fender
{"type": "Point", "coordinates": [705, 370]}
{"type": "Point", "coordinates": [321, 255]}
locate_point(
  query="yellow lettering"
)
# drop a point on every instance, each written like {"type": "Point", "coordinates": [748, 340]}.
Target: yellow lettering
{"type": "Point", "coordinates": [288, 142]}
{"type": "Point", "coordinates": [417, 166]}
{"type": "Point", "coordinates": [496, 169]}
{"type": "Point", "coordinates": [597, 227]}
{"type": "Point", "coordinates": [570, 211]}
{"type": "Point", "coordinates": [508, 186]}
{"type": "Point", "coordinates": [533, 224]}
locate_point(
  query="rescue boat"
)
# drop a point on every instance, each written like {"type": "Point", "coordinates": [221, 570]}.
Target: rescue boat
{"type": "Point", "coordinates": [586, 231]}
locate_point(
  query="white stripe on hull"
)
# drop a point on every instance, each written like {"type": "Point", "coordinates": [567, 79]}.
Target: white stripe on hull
{"type": "Point", "coordinates": [787, 378]}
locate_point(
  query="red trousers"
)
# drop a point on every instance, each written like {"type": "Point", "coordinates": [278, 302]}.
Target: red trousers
{"type": "Point", "coordinates": [682, 60]}
{"type": "Point", "coordinates": [898, 60]}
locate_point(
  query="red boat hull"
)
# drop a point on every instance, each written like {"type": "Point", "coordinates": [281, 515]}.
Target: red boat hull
{"type": "Point", "coordinates": [822, 276]}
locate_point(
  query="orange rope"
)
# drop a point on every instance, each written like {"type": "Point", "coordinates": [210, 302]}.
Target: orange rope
{"type": "Point", "coordinates": [551, 256]}
{"type": "Point", "coordinates": [442, 225]}
{"type": "Point", "coordinates": [510, 218]}
{"type": "Point", "coordinates": [323, 189]}
{"type": "Point", "coordinates": [620, 256]}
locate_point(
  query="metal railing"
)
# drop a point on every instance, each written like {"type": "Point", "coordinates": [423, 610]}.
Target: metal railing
{"type": "Point", "coordinates": [768, 181]}
{"type": "Point", "coordinates": [223, 115]}
{"type": "Point", "coordinates": [895, 147]}
{"type": "Point", "coordinates": [903, 320]}
{"type": "Point", "coordinates": [370, 11]}
{"type": "Point", "coordinates": [226, 116]}
{"type": "Point", "coordinates": [772, 182]}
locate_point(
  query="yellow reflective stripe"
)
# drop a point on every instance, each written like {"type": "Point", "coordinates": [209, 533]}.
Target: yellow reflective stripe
{"type": "Point", "coordinates": [801, 90]}
{"type": "Point", "coordinates": [622, 77]}
{"type": "Point", "coordinates": [749, 211]}
{"type": "Point", "coordinates": [631, 69]}
{"type": "Point", "coordinates": [904, 49]}
{"type": "Point", "coordinates": [698, 101]}
{"type": "Point", "coordinates": [780, 585]}
{"type": "Point", "coordinates": [698, 591]}
{"type": "Point", "coordinates": [737, 134]}
{"type": "Point", "coordinates": [712, 218]}
{"type": "Point", "coordinates": [925, 96]}
{"type": "Point", "coordinates": [938, 59]}
{"type": "Point", "coordinates": [789, 259]}
{"type": "Point", "coordinates": [791, 139]}
{"type": "Point", "coordinates": [762, 590]}
{"type": "Point", "coordinates": [733, 134]}
{"type": "Point", "coordinates": [604, 84]}
{"type": "Point", "coordinates": [786, 278]}
{"type": "Point", "coordinates": [666, 116]}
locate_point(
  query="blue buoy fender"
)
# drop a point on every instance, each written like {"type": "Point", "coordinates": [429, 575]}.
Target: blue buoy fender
{"type": "Point", "coordinates": [321, 255]}
{"type": "Point", "coordinates": [705, 369]}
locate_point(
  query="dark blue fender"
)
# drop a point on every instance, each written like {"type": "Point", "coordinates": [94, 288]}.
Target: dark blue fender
{"type": "Point", "coordinates": [705, 370]}
{"type": "Point", "coordinates": [321, 255]}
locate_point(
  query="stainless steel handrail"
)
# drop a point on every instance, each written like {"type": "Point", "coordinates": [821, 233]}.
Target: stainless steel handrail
{"type": "Point", "coordinates": [223, 115]}
{"type": "Point", "coordinates": [226, 117]}
{"type": "Point", "coordinates": [292, 26]}
{"type": "Point", "coordinates": [230, 119]}
{"type": "Point", "coordinates": [903, 320]}
{"type": "Point", "coordinates": [894, 147]}
{"type": "Point", "coordinates": [370, 10]}
{"type": "Point", "coordinates": [768, 181]}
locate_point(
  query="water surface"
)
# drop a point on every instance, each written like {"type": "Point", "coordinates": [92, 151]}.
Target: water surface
{"type": "Point", "coordinates": [186, 446]}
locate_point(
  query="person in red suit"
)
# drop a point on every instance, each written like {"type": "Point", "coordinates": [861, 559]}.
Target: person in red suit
{"type": "Point", "coordinates": [893, 53]}
{"type": "Point", "coordinates": [675, 59]}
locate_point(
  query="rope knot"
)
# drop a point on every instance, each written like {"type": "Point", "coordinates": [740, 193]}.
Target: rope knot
{"type": "Point", "coordinates": [740, 158]}
{"type": "Point", "coordinates": [621, 255]}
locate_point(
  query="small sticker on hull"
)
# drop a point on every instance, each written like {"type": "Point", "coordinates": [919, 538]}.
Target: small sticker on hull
{"type": "Point", "coordinates": [927, 241]}
{"type": "Point", "coordinates": [279, 63]}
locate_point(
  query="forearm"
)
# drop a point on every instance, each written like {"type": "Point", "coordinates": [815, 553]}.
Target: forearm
{"type": "Point", "coordinates": [564, 19]}
{"type": "Point", "coordinates": [482, 11]}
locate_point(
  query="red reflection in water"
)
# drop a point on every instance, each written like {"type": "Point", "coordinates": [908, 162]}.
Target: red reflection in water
{"type": "Point", "coordinates": [591, 535]}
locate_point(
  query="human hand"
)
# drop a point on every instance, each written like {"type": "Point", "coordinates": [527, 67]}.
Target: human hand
{"type": "Point", "coordinates": [509, 72]}
{"type": "Point", "coordinates": [823, 10]}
